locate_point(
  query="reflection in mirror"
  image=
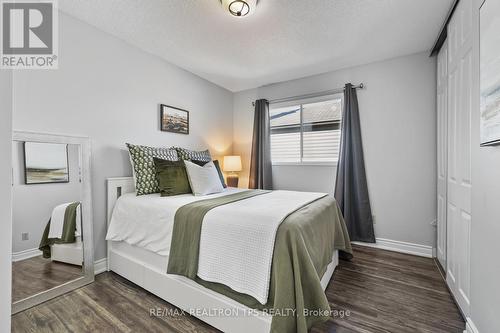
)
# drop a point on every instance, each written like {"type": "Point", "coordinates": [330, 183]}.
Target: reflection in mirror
{"type": "Point", "coordinates": [47, 190]}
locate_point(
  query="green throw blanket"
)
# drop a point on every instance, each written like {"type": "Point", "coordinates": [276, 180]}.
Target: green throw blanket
{"type": "Point", "coordinates": [68, 234]}
{"type": "Point", "coordinates": [303, 249]}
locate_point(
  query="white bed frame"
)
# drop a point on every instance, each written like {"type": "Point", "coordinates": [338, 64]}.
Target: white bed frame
{"type": "Point", "coordinates": [70, 253]}
{"type": "Point", "coordinates": [183, 292]}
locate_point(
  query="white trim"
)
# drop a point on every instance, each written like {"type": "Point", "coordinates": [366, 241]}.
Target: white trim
{"type": "Point", "coordinates": [402, 247]}
{"type": "Point", "coordinates": [26, 254]}
{"type": "Point", "coordinates": [100, 266]}
{"type": "Point", "coordinates": [470, 327]}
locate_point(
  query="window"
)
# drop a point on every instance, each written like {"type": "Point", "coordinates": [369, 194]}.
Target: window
{"type": "Point", "coordinates": [306, 133]}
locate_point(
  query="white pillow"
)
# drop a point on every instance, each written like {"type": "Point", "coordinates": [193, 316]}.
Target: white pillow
{"type": "Point", "coordinates": [203, 180]}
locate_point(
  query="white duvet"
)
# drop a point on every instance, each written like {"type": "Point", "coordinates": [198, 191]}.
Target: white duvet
{"type": "Point", "coordinates": [237, 239]}
{"type": "Point", "coordinates": [147, 221]}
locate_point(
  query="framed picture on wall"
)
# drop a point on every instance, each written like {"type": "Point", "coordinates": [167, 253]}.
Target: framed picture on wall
{"type": "Point", "coordinates": [490, 72]}
{"type": "Point", "coordinates": [45, 163]}
{"type": "Point", "coordinates": [174, 120]}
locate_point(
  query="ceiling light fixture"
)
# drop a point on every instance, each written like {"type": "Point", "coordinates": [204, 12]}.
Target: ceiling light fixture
{"type": "Point", "coordinates": [239, 8]}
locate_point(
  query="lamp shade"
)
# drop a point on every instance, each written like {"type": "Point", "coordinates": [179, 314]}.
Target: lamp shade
{"type": "Point", "coordinates": [232, 163]}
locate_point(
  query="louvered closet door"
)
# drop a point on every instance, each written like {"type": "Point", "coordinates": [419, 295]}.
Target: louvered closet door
{"type": "Point", "coordinates": [442, 151]}
{"type": "Point", "coordinates": [459, 153]}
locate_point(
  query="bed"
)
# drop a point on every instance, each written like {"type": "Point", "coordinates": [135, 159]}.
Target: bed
{"type": "Point", "coordinates": [70, 253]}
{"type": "Point", "coordinates": [143, 258]}
{"type": "Point", "coordinates": [62, 238]}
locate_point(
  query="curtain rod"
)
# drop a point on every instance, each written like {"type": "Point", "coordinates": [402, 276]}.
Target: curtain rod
{"type": "Point", "coordinates": [318, 94]}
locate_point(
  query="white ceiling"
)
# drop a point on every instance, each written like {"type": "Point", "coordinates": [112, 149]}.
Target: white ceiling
{"type": "Point", "coordinates": [283, 40]}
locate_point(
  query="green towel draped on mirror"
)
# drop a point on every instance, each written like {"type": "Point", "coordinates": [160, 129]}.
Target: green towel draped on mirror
{"type": "Point", "coordinates": [68, 233]}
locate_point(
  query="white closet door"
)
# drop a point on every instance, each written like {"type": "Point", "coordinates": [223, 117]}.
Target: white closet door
{"type": "Point", "coordinates": [442, 151]}
{"type": "Point", "coordinates": [459, 153]}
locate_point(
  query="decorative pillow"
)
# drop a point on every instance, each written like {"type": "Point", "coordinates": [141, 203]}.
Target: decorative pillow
{"type": "Point", "coordinates": [186, 154]}
{"type": "Point", "coordinates": [144, 168]}
{"type": "Point", "coordinates": [217, 166]}
{"type": "Point", "coordinates": [172, 177]}
{"type": "Point", "coordinates": [203, 179]}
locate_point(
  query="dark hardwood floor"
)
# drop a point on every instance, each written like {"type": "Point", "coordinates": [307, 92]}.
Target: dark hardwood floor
{"type": "Point", "coordinates": [391, 292]}
{"type": "Point", "coordinates": [378, 291]}
{"type": "Point", "coordinates": [34, 275]}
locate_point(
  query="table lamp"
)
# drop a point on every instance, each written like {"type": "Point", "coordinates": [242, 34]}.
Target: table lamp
{"type": "Point", "coordinates": [232, 164]}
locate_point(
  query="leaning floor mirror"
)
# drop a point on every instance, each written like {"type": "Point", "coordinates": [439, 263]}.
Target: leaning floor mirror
{"type": "Point", "coordinates": [52, 247]}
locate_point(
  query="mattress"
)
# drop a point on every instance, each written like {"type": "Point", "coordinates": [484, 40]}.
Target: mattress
{"type": "Point", "coordinates": [147, 221]}
{"type": "Point", "coordinates": [158, 263]}
{"type": "Point", "coordinates": [139, 238]}
{"type": "Point", "coordinates": [147, 258]}
{"type": "Point", "coordinates": [70, 253]}
{"type": "Point", "coordinates": [141, 227]}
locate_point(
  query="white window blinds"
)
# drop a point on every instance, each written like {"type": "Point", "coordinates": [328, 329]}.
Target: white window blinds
{"type": "Point", "coordinates": [308, 132]}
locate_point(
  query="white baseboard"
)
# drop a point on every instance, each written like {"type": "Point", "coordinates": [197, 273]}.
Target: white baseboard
{"type": "Point", "coordinates": [26, 254]}
{"type": "Point", "coordinates": [403, 247]}
{"type": "Point", "coordinates": [100, 266]}
{"type": "Point", "coordinates": [470, 327]}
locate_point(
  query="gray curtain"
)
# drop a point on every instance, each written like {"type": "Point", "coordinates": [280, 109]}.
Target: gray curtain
{"type": "Point", "coordinates": [260, 166]}
{"type": "Point", "coordinates": [351, 189]}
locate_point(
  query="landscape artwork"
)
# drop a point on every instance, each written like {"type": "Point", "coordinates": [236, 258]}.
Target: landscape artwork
{"type": "Point", "coordinates": [45, 163]}
{"type": "Point", "coordinates": [174, 120]}
{"type": "Point", "coordinates": [490, 73]}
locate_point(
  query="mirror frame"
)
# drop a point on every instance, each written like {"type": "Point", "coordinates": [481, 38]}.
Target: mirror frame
{"type": "Point", "coordinates": [87, 216]}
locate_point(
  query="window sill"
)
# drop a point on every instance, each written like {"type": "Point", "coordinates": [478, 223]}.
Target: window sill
{"type": "Point", "coordinates": [322, 164]}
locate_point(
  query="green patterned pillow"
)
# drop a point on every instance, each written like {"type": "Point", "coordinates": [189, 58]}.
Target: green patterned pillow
{"type": "Point", "coordinates": [186, 154]}
{"type": "Point", "coordinates": [141, 158]}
